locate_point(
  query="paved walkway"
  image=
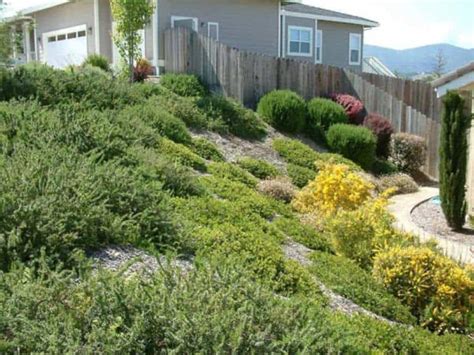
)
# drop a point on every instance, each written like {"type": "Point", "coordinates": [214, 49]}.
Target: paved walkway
{"type": "Point", "coordinates": [401, 207]}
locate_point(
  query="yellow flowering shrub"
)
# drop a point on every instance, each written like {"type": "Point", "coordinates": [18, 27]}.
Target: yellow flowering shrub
{"type": "Point", "coordinates": [438, 291]}
{"type": "Point", "coordinates": [335, 188]}
{"type": "Point", "coordinates": [361, 233]}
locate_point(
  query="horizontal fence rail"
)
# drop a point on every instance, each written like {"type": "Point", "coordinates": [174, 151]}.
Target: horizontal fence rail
{"type": "Point", "coordinates": [411, 106]}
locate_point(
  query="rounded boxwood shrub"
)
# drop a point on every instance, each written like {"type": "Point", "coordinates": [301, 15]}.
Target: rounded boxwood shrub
{"type": "Point", "coordinates": [355, 143]}
{"type": "Point", "coordinates": [283, 109]}
{"type": "Point", "coordinates": [183, 84]}
{"type": "Point", "coordinates": [354, 107]}
{"type": "Point", "coordinates": [322, 114]}
{"type": "Point", "coordinates": [383, 130]}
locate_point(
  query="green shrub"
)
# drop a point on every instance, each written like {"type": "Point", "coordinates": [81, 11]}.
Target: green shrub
{"type": "Point", "coordinates": [435, 288]}
{"type": "Point", "coordinates": [177, 179]}
{"type": "Point", "coordinates": [160, 120]}
{"type": "Point", "coordinates": [284, 110]}
{"type": "Point", "coordinates": [98, 61]}
{"type": "Point", "coordinates": [299, 175]}
{"type": "Point", "coordinates": [55, 200]}
{"type": "Point", "coordinates": [332, 158]}
{"type": "Point", "coordinates": [407, 152]}
{"type": "Point", "coordinates": [303, 234]}
{"type": "Point", "coordinates": [403, 183]}
{"type": "Point", "coordinates": [228, 115]}
{"type": "Point", "coordinates": [206, 149]}
{"type": "Point", "coordinates": [355, 143]}
{"type": "Point", "coordinates": [232, 172]}
{"type": "Point", "coordinates": [347, 279]}
{"type": "Point", "coordinates": [181, 154]}
{"type": "Point", "coordinates": [322, 114]}
{"type": "Point", "coordinates": [258, 168]}
{"type": "Point", "coordinates": [295, 152]}
{"type": "Point", "coordinates": [383, 167]}
{"type": "Point", "coordinates": [183, 108]}
{"type": "Point", "coordinates": [453, 159]}
{"type": "Point", "coordinates": [183, 85]}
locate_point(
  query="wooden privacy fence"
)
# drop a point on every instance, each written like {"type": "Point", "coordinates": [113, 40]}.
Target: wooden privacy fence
{"type": "Point", "coordinates": [246, 77]}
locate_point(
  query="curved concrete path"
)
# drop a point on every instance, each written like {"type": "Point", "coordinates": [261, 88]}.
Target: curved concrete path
{"type": "Point", "coordinates": [401, 207]}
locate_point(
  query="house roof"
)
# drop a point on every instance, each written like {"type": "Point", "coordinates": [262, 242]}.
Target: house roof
{"type": "Point", "coordinates": [328, 15]}
{"type": "Point", "coordinates": [44, 6]}
{"type": "Point", "coordinates": [456, 74]}
{"type": "Point", "coordinates": [375, 65]}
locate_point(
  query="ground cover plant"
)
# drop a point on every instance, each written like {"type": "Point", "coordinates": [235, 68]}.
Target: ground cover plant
{"type": "Point", "coordinates": [87, 161]}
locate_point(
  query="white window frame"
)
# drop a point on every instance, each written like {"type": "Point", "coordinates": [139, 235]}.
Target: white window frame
{"type": "Point", "coordinates": [182, 18]}
{"type": "Point", "coordinates": [209, 25]}
{"type": "Point", "coordinates": [319, 33]}
{"type": "Point", "coordinates": [65, 31]}
{"type": "Point", "coordinates": [359, 36]}
{"type": "Point", "coordinates": [311, 41]}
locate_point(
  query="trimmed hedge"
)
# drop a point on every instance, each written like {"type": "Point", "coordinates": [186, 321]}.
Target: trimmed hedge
{"type": "Point", "coordinates": [355, 143]}
{"type": "Point", "coordinates": [283, 109]}
{"type": "Point", "coordinates": [322, 114]}
{"type": "Point", "coordinates": [183, 84]}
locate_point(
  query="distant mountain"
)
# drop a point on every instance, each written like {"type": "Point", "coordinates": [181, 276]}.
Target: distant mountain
{"type": "Point", "coordinates": [421, 59]}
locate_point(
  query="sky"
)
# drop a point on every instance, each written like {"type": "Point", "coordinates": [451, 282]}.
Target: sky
{"type": "Point", "coordinates": [403, 23]}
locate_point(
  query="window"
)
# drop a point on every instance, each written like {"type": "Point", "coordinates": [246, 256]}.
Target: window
{"type": "Point", "coordinates": [182, 21]}
{"type": "Point", "coordinates": [355, 48]}
{"type": "Point", "coordinates": [52, 39]}
{"type": "Point", "coordinates": [213, 30]}
{"type": "Point", "coordinates": [319, 46]}
{"type": "Point", "coordinates": [300, 41]}
{"type": "Point", "coordinates": [81, 34]}
{"type": "Point", "coordinates": [72, 35]}
{"type": "Point", "coordinates": [61, 37]}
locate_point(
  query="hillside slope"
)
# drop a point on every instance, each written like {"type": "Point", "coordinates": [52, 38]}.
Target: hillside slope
{"type": "Point", "coordinates": [420, 59]}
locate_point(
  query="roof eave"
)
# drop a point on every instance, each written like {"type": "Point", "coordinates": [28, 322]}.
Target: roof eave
{"type": "Point", "coordinates": [360, 22]}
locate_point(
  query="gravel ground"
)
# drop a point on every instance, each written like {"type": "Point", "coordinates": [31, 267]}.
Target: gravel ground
{"type": "Point", "coordinates": [429, 217]}
{"type": "Point", "coordinates": [300, 253]}
{"type": "Point", "coordinates": [135, 261]}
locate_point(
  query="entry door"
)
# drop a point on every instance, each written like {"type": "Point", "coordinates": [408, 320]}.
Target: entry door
{"type": "Point", "coordinates": [65, 47]}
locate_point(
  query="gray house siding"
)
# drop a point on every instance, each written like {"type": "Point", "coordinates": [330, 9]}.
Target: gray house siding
{"type": "Point", "coordinates": [299, 22]}
{"type": "Point", "coordinates": [250, 25]}
{"type": "Point", "coordinates": [105, 16]}
{"type": "Point", "coordinates": [65, 16]}
{"type": "Point", "coordinates": [336, 43]}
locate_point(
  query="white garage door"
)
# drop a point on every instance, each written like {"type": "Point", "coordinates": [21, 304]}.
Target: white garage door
{"type": "Point", "coordinates": [65, 47]}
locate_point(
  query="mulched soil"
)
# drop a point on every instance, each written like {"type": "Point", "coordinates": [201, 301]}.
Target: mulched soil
{"type": "Point", "coordinates": [429, 217]}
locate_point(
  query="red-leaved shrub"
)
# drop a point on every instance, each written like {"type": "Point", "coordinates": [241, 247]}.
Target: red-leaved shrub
{"type": "Point", "coordinates": [354, 108]}
{"type": "Point", "coordinates": [383, 129]}
{"type": "Point", "coordinates": [142, 70]}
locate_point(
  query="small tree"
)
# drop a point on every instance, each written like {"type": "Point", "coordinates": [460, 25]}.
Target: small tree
{"type": "Point", "coordinates": [130, 17]}
{"type": "Point", "coordinates": [440, 63]}
{"type": "Point", "coordinates": [453, 163]}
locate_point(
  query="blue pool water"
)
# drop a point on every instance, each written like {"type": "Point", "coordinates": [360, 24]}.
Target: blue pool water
{"type": "Point", "coordinates": [436, 200]}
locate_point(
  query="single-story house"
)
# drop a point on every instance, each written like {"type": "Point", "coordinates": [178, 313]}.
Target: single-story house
{"type": "Point", "coordinates": [462, 80]}
{"type": "Point", "coordinates": [66, 31]}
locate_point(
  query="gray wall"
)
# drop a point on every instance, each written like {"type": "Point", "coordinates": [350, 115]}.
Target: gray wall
{"type": "Point", "coordinates": [64, 16]}
{"type": "Point", "coordinates": [105, 16]}
{"type": "Point", "coordinates": [336, 44]}
{"type": "Point", "coordinates": [250, 25]}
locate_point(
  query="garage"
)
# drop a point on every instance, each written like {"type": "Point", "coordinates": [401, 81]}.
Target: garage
{"type": "Point", "coordinates": [65, 47]}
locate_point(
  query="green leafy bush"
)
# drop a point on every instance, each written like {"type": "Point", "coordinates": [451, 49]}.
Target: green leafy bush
{"type": "Point", "coordinates": [184, 108]}
{"type": "Point", "coordinates": [355, 143]}
{"type": "Point", "coordinates": [206, 149]}
{"type": "Point", "coordinates": [160, 120]}
{"type": "Point", "coordinates": [98, 61]}
{"type": "Point", "coordinates": [258, 168]}
{"type": "Point", "coordinates": [383, 167]}
{"type": "Point", "coordinates": [403, 183]}
{"type": "Point", "coordinates": [232, 172]}
{"type": "Point", "coordinates": [228, 115]}
{"type": "Point", "coordinates": [54, 200]}
{"type": "Point", "coordinates": [284, 110]}
{"type": "Point", "coordinates": [295, 152]}
{"type": "Point", "coordinates": [183, 84]}
{"type": "Point", "coordinates": [333, 158]}
{"type": "Point", "coordinates": [300, 175]}
{"type": "Point", "coordinates": [322, 114]}
{"type": "Point", "coordinates": [436, 289]}
{"type": "Point", "coordinates": [407, 152]}
{"type": "Point", "coordinates": [347, 279]}
{"type": "Point", "coordinates": [181, 154]}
